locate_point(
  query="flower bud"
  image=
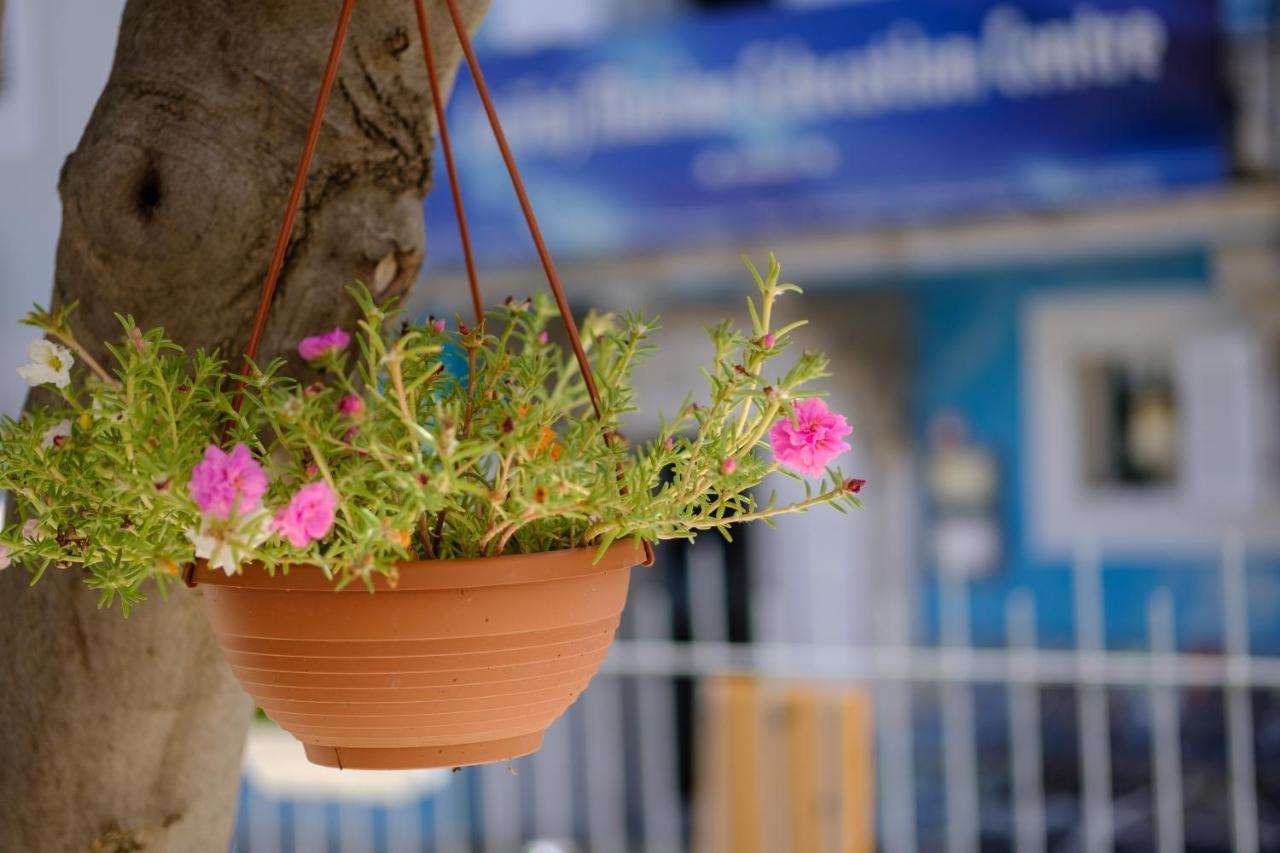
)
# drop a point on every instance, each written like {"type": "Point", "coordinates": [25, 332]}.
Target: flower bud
{"type": "Point", "coordinates": [351, 406]}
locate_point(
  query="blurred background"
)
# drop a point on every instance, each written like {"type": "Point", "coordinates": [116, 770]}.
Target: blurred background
{"type": "Point", "coordinates": [1040, 240]}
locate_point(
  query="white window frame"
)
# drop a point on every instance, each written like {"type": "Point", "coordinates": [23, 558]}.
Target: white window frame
{"type": "Point", "coordinates": [1064, 512]}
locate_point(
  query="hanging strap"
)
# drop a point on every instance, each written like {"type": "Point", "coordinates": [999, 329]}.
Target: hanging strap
{"type": "Point", "coordinates": [295, 197]}
{"type": "Point", "coordinates": [304, 166]}
{"type": "Point", "coordinates": [286, 227]}
{"type": "Point", "coordinates": [517, 183]}
{"type": "Point", "coordinates": [437, 104]}
{"type": "Point", "coordinates": [535, 232]}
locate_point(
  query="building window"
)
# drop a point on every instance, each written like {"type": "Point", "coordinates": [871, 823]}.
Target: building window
{"type": "Point", "coordinates": [1128, 420]}
{"type": "Point", "coordinates": [1147, 424]}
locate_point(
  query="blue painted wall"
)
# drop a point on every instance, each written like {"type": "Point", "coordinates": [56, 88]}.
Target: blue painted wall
{"type": "Point", "coordinates": [968, 354]}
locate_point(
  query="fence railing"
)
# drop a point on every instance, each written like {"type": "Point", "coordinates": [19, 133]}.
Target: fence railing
{"type": "Point", "coordinates": [625, 770]}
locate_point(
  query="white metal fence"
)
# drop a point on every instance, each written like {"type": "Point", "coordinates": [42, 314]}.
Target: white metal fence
{"type": "Point", "coordinates": [609, 779]}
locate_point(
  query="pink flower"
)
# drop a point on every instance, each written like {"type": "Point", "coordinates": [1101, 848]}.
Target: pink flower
{"type": "Point", "coordinates": [351, 406]}
{"type": "Point", "coordinates": [438, 325]}
{"type": "Point", "coordinates": [728, 466]}
{"type": "Point", "coordinates": [813, 440]}
{"type": "Point", "coordinates": [223, 482]}
{"type": "Point", "coordinates": [318, 346]}
{"type": "Point", "coordinates": [308, 515]}
{"type": "Point", "coordinates": [768, 340]}
{"type": "Point", "coordinates": [543, 337]}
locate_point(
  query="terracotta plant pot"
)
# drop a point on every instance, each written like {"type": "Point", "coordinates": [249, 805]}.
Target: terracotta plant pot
{"type": "Point", "coordinates": [462, 662]}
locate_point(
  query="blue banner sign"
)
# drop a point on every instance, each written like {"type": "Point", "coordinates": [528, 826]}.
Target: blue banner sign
{"type": "Point", "coordinates": [727, 126]}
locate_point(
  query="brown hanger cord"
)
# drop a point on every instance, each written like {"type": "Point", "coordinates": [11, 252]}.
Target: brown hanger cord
{"type": "Point", "coordinates": [553, 279]}
{"type": "Point", "coordinates": [286, 227]}
{"type": "Point", "coordinates": [437, 104]}
{"type": "Point", "coordinates": [517, 183]}
{"type": "Point", "coordinates": [295, 196]}
{"type": "Point", "coordinates": [535, 232]}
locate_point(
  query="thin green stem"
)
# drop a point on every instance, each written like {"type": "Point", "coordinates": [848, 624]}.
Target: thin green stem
{"type": "Point", "coordinates": [91, 362]}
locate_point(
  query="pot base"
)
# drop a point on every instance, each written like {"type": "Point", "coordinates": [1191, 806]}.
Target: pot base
{"type": "Point", "coordinates": [411, 757]}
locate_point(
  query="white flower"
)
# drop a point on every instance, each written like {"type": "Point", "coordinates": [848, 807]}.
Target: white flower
{"type": "Point", "coordinates": [5, 561]}
{"type": "Point", "coordinates": [292, 407]}
{"type": "Point", "coordinates": [50, 364]}
{"type": "Point", "coordinates": [220, 541]}
{"type": "Point", "coordinates": [98, 408]}
{"type": "Point", "coordinates": [56, 435]}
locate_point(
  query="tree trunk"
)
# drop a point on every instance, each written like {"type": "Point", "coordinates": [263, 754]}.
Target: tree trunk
{"type": "Point", "coordinates": [127, 734]}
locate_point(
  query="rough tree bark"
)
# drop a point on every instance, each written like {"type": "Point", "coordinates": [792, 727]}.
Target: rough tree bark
{"type": "Point", "coordinates": [126, 735]}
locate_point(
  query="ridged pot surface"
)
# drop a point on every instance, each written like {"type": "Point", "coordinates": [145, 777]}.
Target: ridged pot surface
{"type": "Point", "coordinates": [462, 662]}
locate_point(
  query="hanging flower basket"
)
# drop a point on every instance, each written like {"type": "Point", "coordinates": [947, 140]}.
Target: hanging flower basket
{"type": "Point", "coordinates": [460, 662]}
{"type": "Point", "coordinates": [405, 565]}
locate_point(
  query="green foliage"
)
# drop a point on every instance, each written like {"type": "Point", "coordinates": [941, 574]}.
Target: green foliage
{"type": "Point", "coordinates": [504, 457]}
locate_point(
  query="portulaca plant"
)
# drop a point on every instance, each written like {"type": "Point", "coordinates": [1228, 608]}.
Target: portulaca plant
{"type": "Point", "coordinates": [420, 442]}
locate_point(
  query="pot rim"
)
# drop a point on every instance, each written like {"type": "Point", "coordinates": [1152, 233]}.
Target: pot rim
{"type": "Point", "coordinates": [421, 575]}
